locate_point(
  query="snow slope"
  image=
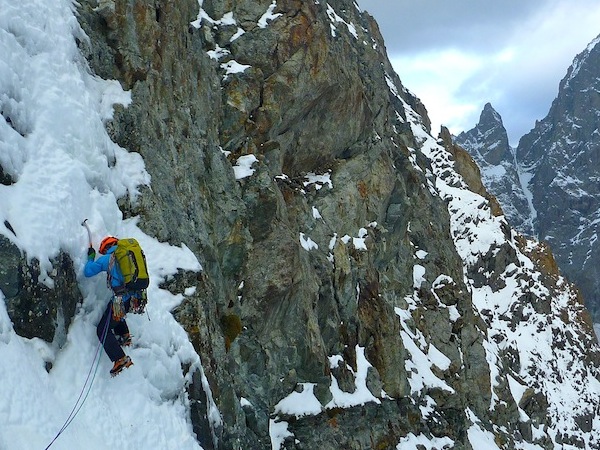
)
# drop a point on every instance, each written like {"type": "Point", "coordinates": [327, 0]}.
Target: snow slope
{"type": "Point", "coordinates": [53, 144]}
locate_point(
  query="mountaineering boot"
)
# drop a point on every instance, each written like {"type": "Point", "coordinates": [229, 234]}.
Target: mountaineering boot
{"type": "Point", "coordinates": [120, 364]}
{"type": "Point", "coordinates": [124, 340]}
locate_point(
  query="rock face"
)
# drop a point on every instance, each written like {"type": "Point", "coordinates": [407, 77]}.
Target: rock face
{"type": "Point", "coordinates": [36, 309]}
{"type": "Point", "coordinates": [488, 143]}
{"type": "Point", "coordinates": [360, 287]}
{"type": "Point", "coordinates": [555, 165]}
{"type": "Point", "coordinates": [561, 154]}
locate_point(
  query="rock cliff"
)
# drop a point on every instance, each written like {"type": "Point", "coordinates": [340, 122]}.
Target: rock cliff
{"type": "Point", "coordinates": [561, 153]}
{"type": "Point", "coordinates": [360, 288]}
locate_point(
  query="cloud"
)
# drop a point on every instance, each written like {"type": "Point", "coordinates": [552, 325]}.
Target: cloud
{"type": "Point", "coordinates": [522, 80]}
{"type": "Point", "coordinates": [456, 56]}
{"type": "Point", "coordinates": [423, 75]}
{"type": "Point", "coordinates": [412, 26]}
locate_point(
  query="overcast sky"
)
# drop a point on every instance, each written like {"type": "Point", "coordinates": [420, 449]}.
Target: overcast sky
{"type": "Point", "coordinates": [458, 55]}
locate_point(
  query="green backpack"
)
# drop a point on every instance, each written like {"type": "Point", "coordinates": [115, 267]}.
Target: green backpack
{"type": "Point", "coordinates": [131, 260]}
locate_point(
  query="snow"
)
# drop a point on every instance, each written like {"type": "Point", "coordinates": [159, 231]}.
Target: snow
{"type": "Point", "coordinates": [421, 254]}
{"type": "Point", "coordinates": [318, 181]}
{"type": "Point", "coordinates": [422, 442]}
{"type": "Point", "coordinates": [226, 20]}
{"type": "Point", "coordinates": [307, 243]}
{"type": "Point", "coordinates": [189, 291]}
{"type": "Point", "coordinates": [303, 402]}
{"type": "Point", "coordinates": [218, 53]}
{"type": "Point", "coordinates": [278, 431]}
{"type": "Point", "coordinates": [316, 214]}
{"type": "Point", "coordinates": [418, 276]}
{"type": "Point", "coordinates": [243, 167]}
{"type": "Point", "coordinates": [268, 16]}
{"type": "Point", "coordinates": [232, 67]}
{"type": "Point", "coordinates": [579, 61]}
{"type": "Point", "coordinates": [332, 241]}
{"type": "Point", "coordinates": [300, 404]}
{"type": "Point", "coordinates": [240, 32]}
{"type": "Point", "coordinates": [437, 358]}
{"type": "Point", "coordinates": [492, 173]}
{"type": "Point", "coordinates": [335, 19]}
{"type": "Point", "coordinates": [53, 143]}
{"type": "Point", "coordinates": [359, 242]}
{"type": "Point", "coordinates": [423, 355]}
{"type": "Point", "coordinates": [361, 394]}
{"type": "Point", "coordinates": [479, 437]}
{"type": "Point", "coordinates": [517, 389]}
{"type": "Point", "coordinates": [419, 366]}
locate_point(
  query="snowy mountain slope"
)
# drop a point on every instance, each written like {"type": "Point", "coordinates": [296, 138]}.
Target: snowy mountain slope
{"type": "Point", "coordinates": [63, 168]}
{"type": "Point", "coordinates": [525, 312]}
{"type": "Point", "coordinates": [352, 293]}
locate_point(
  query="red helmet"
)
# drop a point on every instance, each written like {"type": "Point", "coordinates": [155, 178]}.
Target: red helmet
{"type": "Point", "coordinates": [107, 243]}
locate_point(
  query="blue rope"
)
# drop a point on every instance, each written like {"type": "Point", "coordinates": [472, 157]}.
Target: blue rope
{"type": "Point", "coordinates": [95, 362]}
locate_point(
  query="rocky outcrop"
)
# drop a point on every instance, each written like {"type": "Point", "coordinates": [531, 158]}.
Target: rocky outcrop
{"type": "Point", "coordinates": [466, 166]}
{"type": "Point", "coordinates": [333, 263]}
{"type": "Point", "coordinates": [36, 308]}
{"type": "Point", "coordinates": [271, 310]}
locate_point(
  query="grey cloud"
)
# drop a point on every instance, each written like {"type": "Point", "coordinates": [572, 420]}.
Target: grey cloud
{"type": "Point", "coordinates": [411, 26]}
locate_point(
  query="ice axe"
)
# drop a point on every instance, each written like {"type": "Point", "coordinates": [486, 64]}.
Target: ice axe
{"type": "Point", "coordinates": [87, 227]}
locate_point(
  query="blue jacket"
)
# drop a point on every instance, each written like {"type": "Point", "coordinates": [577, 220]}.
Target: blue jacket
{"type": "Point", "coordinates": [101, 265]}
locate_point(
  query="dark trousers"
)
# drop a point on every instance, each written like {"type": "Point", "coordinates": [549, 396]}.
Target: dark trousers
{"type": "Point", "coordinates": [118, 328]}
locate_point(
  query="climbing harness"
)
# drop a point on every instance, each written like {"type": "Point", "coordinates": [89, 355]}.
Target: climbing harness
{"type": "Point", "coordinates": [79, 403]}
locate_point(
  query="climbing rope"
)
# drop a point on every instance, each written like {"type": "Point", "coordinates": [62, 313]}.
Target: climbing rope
{"type": "Point", "coordinates": [94, 368]}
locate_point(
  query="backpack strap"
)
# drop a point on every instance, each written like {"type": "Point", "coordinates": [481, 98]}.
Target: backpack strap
{"type": "Point", "coordinates": [111, 265]}
{"type": "Point", "coordinates": [109, 277]}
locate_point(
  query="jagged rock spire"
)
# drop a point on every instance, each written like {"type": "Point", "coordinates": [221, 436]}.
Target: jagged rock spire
{"type": "Point", "coordinates": [488, 144]}
{"type": "Point", "coordinates": [489, 137]}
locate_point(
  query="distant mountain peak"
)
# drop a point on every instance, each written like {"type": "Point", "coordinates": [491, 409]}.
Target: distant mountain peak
{"type": "Point", "coordinates": [488, 144]}
{"type": "Point", "coordinates": [580, 60]}
{"type": "Point", "coordinates": [489, 116]}
{"type": "Point", "coordinates": [547, 186]}
{"type": "Point", "coordinates": [488, 138]}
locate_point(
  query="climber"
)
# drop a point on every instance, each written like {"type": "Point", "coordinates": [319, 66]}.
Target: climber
{"type": "Point", "coordinates": [112, 326]}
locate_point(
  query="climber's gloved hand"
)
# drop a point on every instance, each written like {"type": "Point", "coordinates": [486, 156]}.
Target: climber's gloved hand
{"type": "Point", "coordinates": [91, 254]}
